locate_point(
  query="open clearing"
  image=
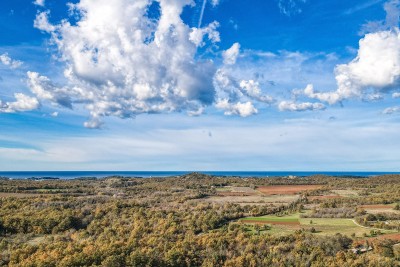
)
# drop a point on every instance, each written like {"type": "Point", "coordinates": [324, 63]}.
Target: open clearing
{"type": "Point", "coordinates": [18, 195]}
{"type": "Point", "coordinates": [333, 194]}
{"type": "Point", "coordinates": [275, 220]}
{"type": "Point", "coordinates": [331, 226]}
{"type": "Point", "coordinates": [234, 194]}
{"type": "Point", "coordinates": [376, 207]}
{"type": "Point", "coordinates": [323, 226]}
{"type": "Point", "coordinates": [323, 197]}
{"type": "Point", "coordinates": [346, 193]}
{"type": "Point", "coordinates": [395, 237]}
{"type": "Point", "coordinates": [252, 199]}
{"type": "Point", "coordinates": [36, 240]}
{"type": "Point", "coordinates": [236, 191]}
{"type": "Point", "coordinates": [286, 189]}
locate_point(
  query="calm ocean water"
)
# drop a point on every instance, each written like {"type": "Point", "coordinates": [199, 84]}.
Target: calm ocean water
{"type": "Point", "coordinates": [147, 174]}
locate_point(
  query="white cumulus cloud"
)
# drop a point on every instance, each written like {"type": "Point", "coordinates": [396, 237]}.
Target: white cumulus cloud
{"type": "Point", "coordinates": [42, 23]}
{"type": "Point", "coordinates": [39, 3]}
{"type": "Point", "coordinates": [22, 103]}
{"type": "Point", "coordinates": [252, 89]}
{"type": "Point", "coordinates": [121, 62]}
{"type": "Point", "coordinates": [329, 97]}
{"type": "Point", "coordinates": [376, 67]}
{"type": "Point", "coordinates": [197, 35]}
{"type": "Point", "coordinates": [43, 88]}
{"type": "Point", "coordinates": [238, 98]}
{"type": "Point", "coordinates": [6, 60]}
{"type": "Point", "coordinates": [396, 95]}
{"type": "Point", "coordinates": [377, 64]}
{"type": "Point", "coordinates": [306, 106]}
{"type": "Point", "coordinates": [230, 56]}
{"type": "Point", "coordinates": [244, 109]}
{"type": "Point", "coordinates": [215, 2]}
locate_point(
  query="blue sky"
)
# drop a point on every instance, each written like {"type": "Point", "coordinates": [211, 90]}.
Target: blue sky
{"type": "Point", "coordinates": [168, 85]}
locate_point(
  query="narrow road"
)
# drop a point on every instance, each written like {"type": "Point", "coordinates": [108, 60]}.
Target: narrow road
{"type": "Point", "coordinates": [356, 223]}
{"type": "Point", "coordinates": [372, 228]}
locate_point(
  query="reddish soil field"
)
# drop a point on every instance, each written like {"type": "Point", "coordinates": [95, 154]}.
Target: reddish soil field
{"type": "Point", "coordinates": [323, 197]}
{"type": "Point", "coordinates": [270, 222]}
{"type": "Point", "coordinates": [395, 237]}
{"type": "Point", "coordinates": [378, 207]}
{"type": "Point", "coordinates": [286, 189]}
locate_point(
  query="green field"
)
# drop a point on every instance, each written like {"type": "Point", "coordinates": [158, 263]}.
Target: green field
{"type": "Point", "coordinates": [329, 226]}
{"type": "Point", "coordinates": [268, 218]}
{"type": "Point", "coordinates": [223, 189]}
{"type": "Point", "coordinates": [322, 226]}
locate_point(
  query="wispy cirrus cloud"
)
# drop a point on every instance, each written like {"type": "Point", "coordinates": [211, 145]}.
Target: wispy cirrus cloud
{"type": "Point", "coordinates": [391, 110]}
{"type": "Point", "coordinates": [392, 9]}
{"type": "Point", "coordinates": [235, 144]}
{"type": "Point", "coordinates": [291, 7]}
{"type": "Point", "coordinates": [203, 8]}
{"type": "Point", "coordinates": [362, 6]}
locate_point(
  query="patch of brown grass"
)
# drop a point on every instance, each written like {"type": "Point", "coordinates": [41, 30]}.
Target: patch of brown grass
{"type": "Point", "coordinates": [375, 207]}
{"type": "Point", "coordinates": [17, 195]}
{"type": "Point", "coordinates": [323, 197]}
{"type": "Point", "coordinates": [286, 189]}
{"type": "Point", "coordinates": [234, 194]}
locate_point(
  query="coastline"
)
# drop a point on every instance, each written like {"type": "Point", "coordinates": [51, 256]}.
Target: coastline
{"type": "Point", "coordinates": [165, 174]}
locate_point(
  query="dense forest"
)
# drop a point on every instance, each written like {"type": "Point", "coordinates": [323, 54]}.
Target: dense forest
{"type": "Point", "coordinates": [120, 221]}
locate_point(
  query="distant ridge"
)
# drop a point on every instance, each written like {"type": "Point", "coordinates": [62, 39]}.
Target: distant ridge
{"type": "Point", "coordinates": [148, 174]}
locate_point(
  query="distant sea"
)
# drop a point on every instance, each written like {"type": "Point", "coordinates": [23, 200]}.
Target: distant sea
{"type": "Point", "coordinates": [148, 174]}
